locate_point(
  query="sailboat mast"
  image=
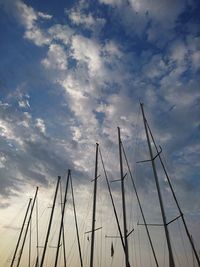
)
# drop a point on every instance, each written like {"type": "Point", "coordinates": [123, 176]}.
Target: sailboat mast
{"type": "Point", "coordinates": [50, 222]}
{"type": "Point", "coordinates": [171, 258]}
{"type": "Point", "coordinates": [76, 223]}
{"type": "Point", "coordinates": [175, 199]}
{"type": "Point", "coordinates": [20, 235]}
{"type": "Point", "coordinates": [37, 235]}
{"type": "Point", "coordinates": [26, 231]}
{"type": "Point", "coordinates": [63, 229]}
{"type": "Point", "coordinates": [94, 207]}
{"type": "Point", "coordinates": [123, 200]}
{"type": "Point", "coordinates": [30, 241]}
{"type": "Point", "coordinates": [140, 206]}
{"type": "Point", "coordinates": [62, 219]}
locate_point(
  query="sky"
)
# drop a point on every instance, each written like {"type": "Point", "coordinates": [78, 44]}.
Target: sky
{"type": "Point", "coordinates": [71, 72]}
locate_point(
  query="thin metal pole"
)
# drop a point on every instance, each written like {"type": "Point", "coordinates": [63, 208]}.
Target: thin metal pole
{"type": "Point", "coordinates": [76, 223]}
{"type": "Point", "coordinates": [20, 235]}
{"type": "Point", "coordinates": [141, 210]}
{"type": "Point", "coordinates": [37, 262]}
{"type": "Point", "coordinates": [171, 258]}
{"type": "Point", "coordinates": [63, 230]}
{"type": "Point", "coordinates": [62, 219]}
{"type": "Point", "coordinates": [123, 200]}
{"type": "Point", "coordinates": [50, 222]}
{"type": "Point", "coordinates": [175, 199]}
{"type": "Point", "coordinates": [29, 262]}
{"type": "Point", "coordinates": [94, 208]}
{"type": "Point", "coordinates": [193, 257]}
{"type": "Point", "coordinates": [26, 231]}
{"type": "Point", "coordinates": [37, 234]}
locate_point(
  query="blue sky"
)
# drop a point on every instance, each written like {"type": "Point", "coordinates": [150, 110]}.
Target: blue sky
{"type": "Point", "coordinates": [71, 72]}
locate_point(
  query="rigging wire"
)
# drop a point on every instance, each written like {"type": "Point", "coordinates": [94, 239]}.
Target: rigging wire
{"type": "Point", "coordinates": [114, 208]}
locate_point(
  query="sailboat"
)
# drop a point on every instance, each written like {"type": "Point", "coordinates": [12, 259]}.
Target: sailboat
{"type": "Point", "coordinates": [165, 224]}
{"type": "Point", "coordinates": [123, 233]}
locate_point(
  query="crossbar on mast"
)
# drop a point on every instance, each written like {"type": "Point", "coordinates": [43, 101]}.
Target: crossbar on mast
{"type": "Point", "coordinates": [171, 258]}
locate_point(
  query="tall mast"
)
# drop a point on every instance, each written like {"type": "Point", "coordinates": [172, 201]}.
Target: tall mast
{"type": "Point", "coordinates": [76, 223]}
{"type": "Point", "coordinates": [94, 207]}
{"type": "Point", "coordinates": [37, 235]}
{"type": "Point", "coordinates": [62, 220]}
{"type": "Point", "coordinates": [171, 258]}
{"type": "Point", "coordinates": [26, 231]}
{"type": "Point", "coordinates": [50, 222]}
{"type": "Point", "coordinates": [123, 200]}
{"type": "Point", "coordinates": [140, 206]}
{"type": "Point", "coordinates": [29, 260]}
{"type": "Point", "coordinates": [20, 235]}
{"type": "Point", "coordinates": [175, 199]}
{"type": "Point", "coordinates": [63, 229]}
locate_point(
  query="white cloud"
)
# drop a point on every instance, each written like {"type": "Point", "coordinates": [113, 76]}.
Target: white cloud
{"type": "Point", "coordinates": [24, 103]}
{"type": "Point", "coordinates": [160, 11]}
{"type": "Point", "coordinates": [88, 51]}
{"type": "Point", "coordinates": [60, 32]}
{"type": "Point", "coordinates": [2, 160]}
{"type": "Point", "coordinates": [81, 100]}
{"type": "Point", "coordinates": [193, 44]}
{"type": "Point", "coordinates": [80, 17]}
{"type": "Point", "coordinates": [156, 68]}
{"type": "Point", "coordinates": [196, 59]}
{"type": "Point", "coordinates": [76, 133]}
{"type": "Point", "coordinates": [148, 18]}
{"type": "Point", "coordinates": [44, 16]}
{"type": "Point", "coordinates": [30, 18]}
{"type": "Point", "coordinates": [26, 120]}
{"type": "Point", "coordinates": [178, 51]}
{"type": "Point", "coordinates": [40, 125]}
{"type": "Point", "coordinates": [7, 131]}
{"type": "Point", "coordinates": [56, 58]}
{"type": "Point", "coordinates": [38, 36]}
{"type": "Point", "coordinates": [111, 51]}
{"type": "Point", "coordinates": [27, 15]}
{"type": "Point", "coordinates": [157, 10]}
{"type": "Point", "coordinates": [112, 2]}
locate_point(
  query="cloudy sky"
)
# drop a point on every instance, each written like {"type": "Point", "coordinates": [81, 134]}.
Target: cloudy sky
{"type": "Point", "coordinates": [72, 71]}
